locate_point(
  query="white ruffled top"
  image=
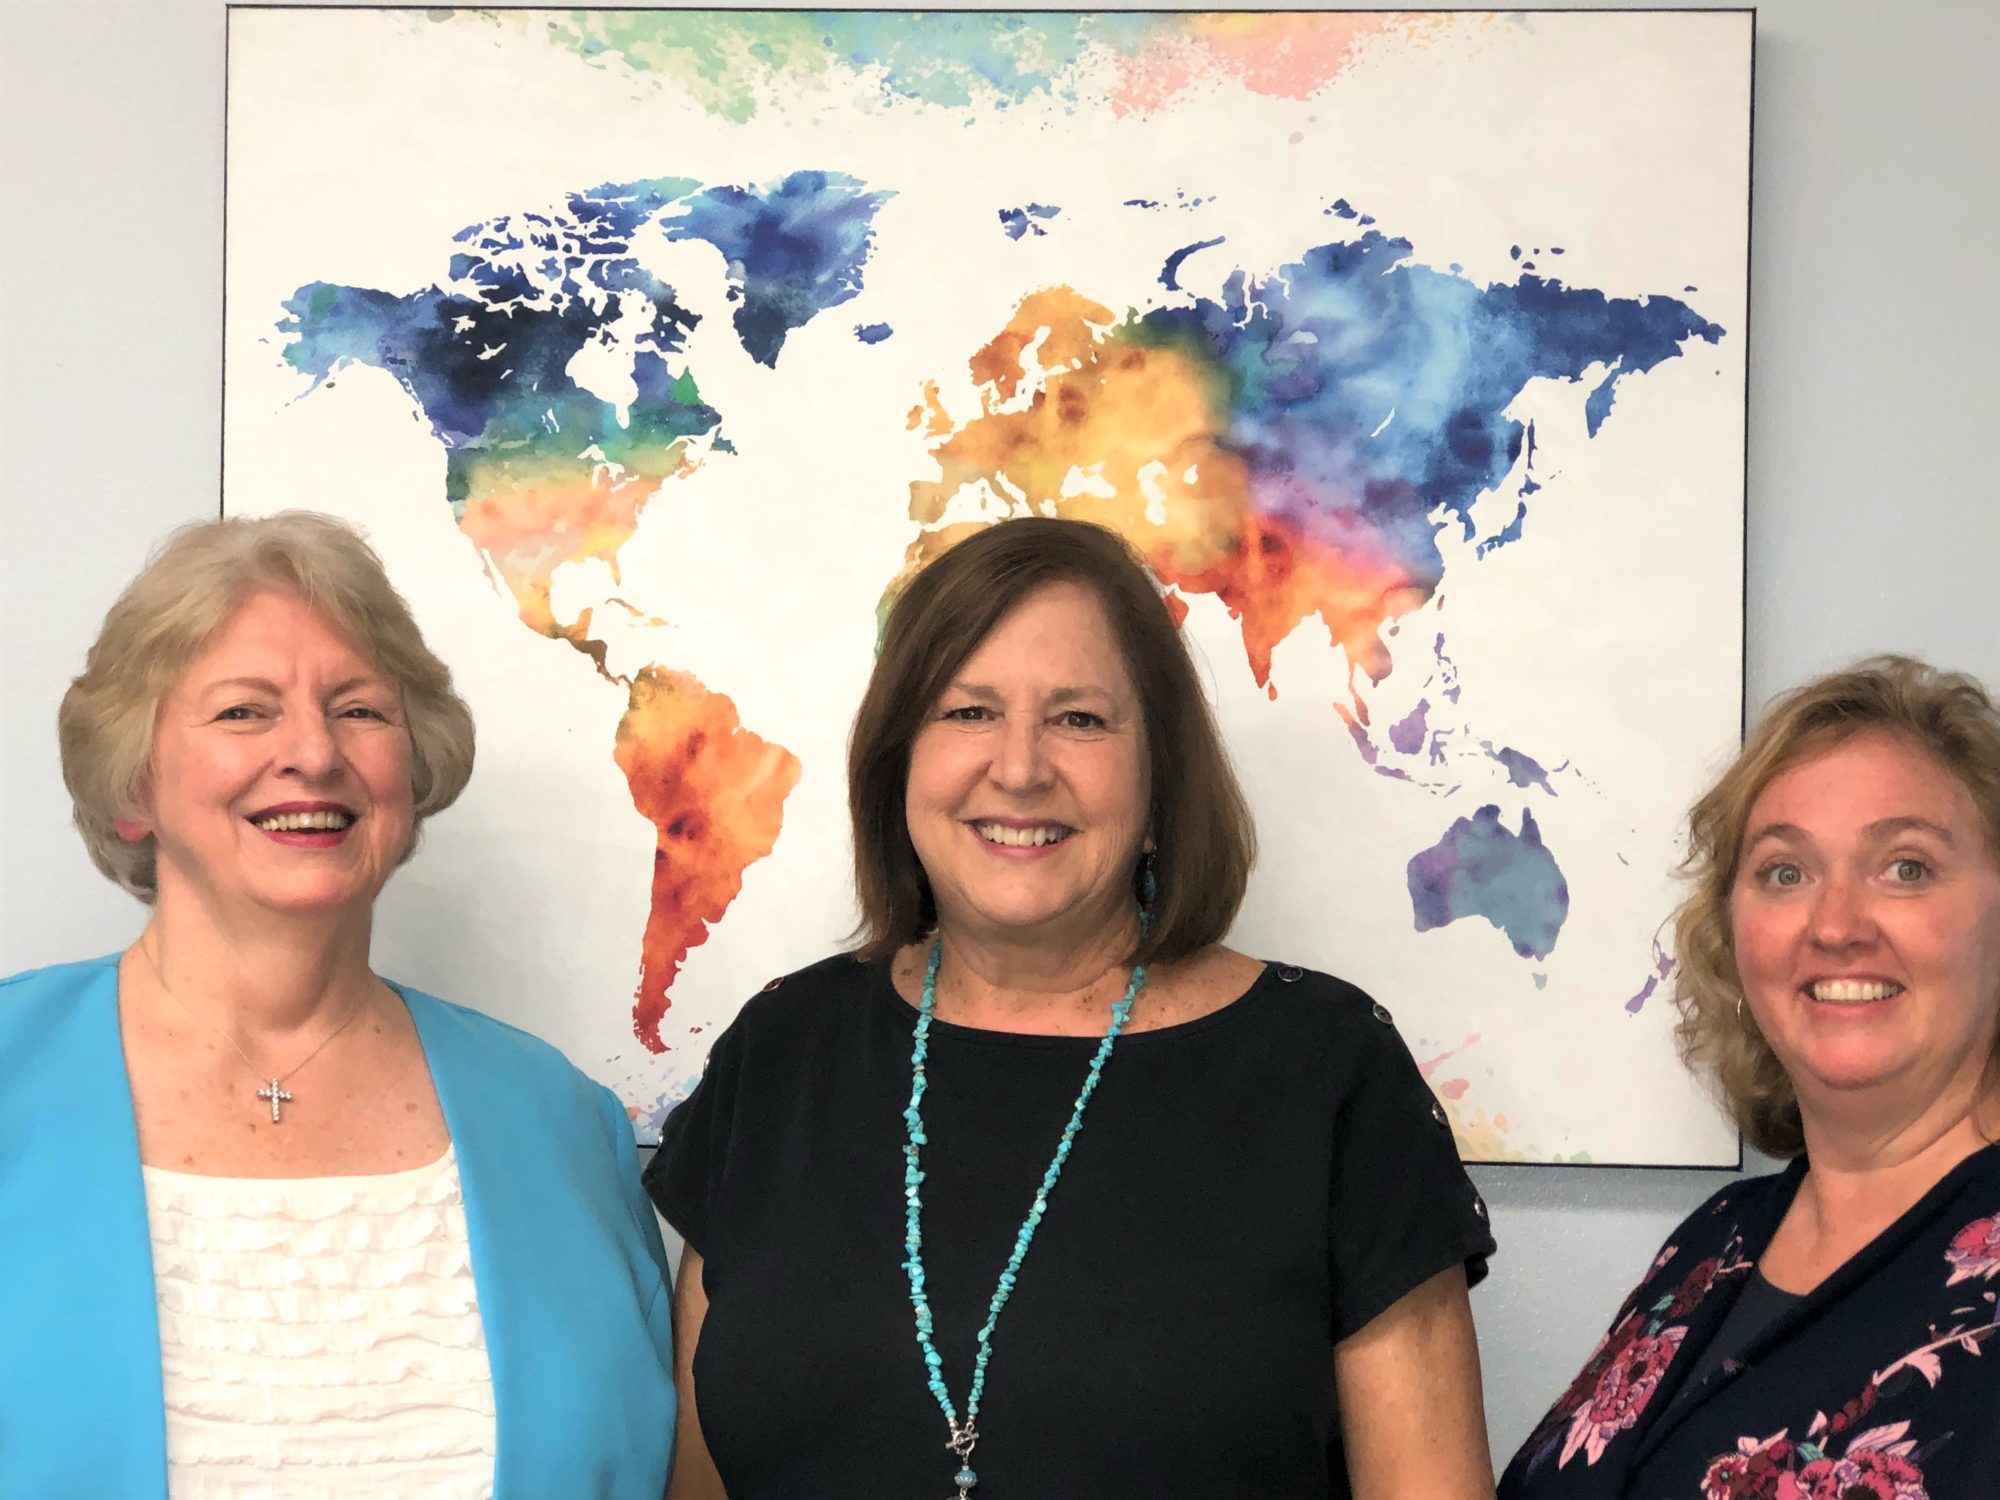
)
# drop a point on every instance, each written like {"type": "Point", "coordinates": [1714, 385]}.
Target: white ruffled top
{"type": "Point", "coordinates": [320, 1336]}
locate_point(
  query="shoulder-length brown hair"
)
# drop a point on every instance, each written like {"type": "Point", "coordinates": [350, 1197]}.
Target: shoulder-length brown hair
{"type": "Point", "coordinates": [1200, 823]}
{"type": "Point", "coordinates": [1946, 714]}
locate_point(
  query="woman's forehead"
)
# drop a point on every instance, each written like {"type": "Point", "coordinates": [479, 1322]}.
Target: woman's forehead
{"type": "Point", "coordinates": [1869, 779]}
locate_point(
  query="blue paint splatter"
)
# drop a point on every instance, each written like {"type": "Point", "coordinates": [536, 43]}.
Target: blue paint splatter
{"type": "Point", "coordinates": [1482, 869]}
{"type": "Point", "coordinates": [1318, 357]}
{"type": "Point", "coordinates": [1170, 273]}
{"type": "Point", "coordinates": [794, 249]}
{"type": "Point", "coordinates": [1511, 532]}
{"type": "Point", "coordinates": [1522, 770]}
{"type": "Point", "coordinates": [1019, 221]}
{"type": "Point", "coordinates": [485, 353]}
{"type": "Point", "coordinates": [873, 333]}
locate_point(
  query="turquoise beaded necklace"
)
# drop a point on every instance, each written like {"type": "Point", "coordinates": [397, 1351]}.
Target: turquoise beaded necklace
{"type": "Point", "coordinates": [965, 1432]}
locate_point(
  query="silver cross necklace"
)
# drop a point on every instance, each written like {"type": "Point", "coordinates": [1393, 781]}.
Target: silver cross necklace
{"type": "Point", "coordinates": [274, 1092]}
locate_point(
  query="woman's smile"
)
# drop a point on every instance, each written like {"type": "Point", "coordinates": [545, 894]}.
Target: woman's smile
{"type": "Point", "coordinates": [306, 825]}
{"type": "Point", "coordinates": [1016, 837]}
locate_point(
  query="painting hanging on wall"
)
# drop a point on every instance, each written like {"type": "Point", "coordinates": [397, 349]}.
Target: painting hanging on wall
{"type": "Point", "coordinates": [655, 350]}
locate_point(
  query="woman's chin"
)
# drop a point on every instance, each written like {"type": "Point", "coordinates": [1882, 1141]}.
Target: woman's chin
{"type": "Point", "coordinates": [315, 898]}
{"type": "Point", "coordinates": [1029, 922]}
{"type": "Point", "coordinates": [1857, 1066]}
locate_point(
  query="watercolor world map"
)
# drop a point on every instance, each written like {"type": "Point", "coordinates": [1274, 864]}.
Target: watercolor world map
{"type": "Point", "coordinates": [1443, 481]}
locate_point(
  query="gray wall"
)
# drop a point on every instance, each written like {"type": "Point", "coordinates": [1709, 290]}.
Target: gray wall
{"type": "Point", "coordinates": [1875, 321]}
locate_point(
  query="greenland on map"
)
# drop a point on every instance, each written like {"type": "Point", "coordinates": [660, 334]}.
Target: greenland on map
{"type": "Point", "coordinates": [656, 350]}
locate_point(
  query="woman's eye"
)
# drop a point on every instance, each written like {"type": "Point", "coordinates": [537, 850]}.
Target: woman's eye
{"type": "Point", "coordinates": [361, 711]}
{"type": "Point", "coordinates": [236, 714]}
{"type": "Point", "coordinates": [1078, 718]}
{"type": "Point", "coordinates": [1783, 875]}
{"type": "Point", "coordinates": [969, 713]}
{"type": "Point", "coordinates": [1909, 871]}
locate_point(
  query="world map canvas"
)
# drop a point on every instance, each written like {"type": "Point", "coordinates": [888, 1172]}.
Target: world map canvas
{"type": "Point", "coordinates": [656, 350]}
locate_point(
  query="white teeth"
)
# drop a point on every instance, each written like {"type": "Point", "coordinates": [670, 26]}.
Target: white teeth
{"type": "Point", "coordinates": [1022, 838]}
{"type": "Point", "coordinates": [1854, 991]}
{"type": "Point", "coordinates": [309, 822]}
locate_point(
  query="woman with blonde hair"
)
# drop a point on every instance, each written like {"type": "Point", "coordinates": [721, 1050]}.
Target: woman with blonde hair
{"type": "Point", "coordinates": [1818, 1334]}
{"type": "Point", "coordinates": [271, 1225]}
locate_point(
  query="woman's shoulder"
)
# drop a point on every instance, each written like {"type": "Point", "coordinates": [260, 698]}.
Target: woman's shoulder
{"type": "Point", "coordinates": [36, 1002]}
{"type": "Point", "coordinates": [504, 1056]}
{"type": "Point", "coordinates": [56, 980]}
{"type": "Point", "coordinates": [810, 998]}
{"type": "Point", "coordinates": [1314, 1002]}
{"type": "Point", "coordinates": [1734, 1221]}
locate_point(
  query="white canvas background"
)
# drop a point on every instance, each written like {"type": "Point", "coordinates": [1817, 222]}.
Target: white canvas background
{"type": "Point", "coordinates": [1610, 636]}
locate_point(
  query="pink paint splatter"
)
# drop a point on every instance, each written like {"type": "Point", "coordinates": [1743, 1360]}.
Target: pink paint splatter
{"type": "Point", "coordinates": [1428, 1068]}
{"type": "Point", "coordinates": [1287, 56]}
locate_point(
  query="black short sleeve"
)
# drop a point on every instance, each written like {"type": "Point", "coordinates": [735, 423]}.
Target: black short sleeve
{"type": "Point", "coordinates": [1403, 1208]}
{"type": "Point", "coordinates": [686, 1173]}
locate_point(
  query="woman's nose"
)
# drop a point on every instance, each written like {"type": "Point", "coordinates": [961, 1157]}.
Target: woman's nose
{"type": "Point", "coordinates": [1019, 763]}
{"type": "Point", "coordinates": [308, 746]}
{"type": "Point", "coordinates": [1840, 916]}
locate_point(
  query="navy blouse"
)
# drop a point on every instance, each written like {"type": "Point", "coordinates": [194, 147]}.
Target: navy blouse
{"type": "Point", "coordinates": [1882, 1384]}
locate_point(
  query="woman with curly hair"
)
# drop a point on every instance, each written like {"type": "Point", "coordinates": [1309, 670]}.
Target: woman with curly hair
{"type": "Point", "coordinates": [1817, 1334]}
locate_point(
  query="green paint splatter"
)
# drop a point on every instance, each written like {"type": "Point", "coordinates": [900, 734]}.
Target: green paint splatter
{"type": "Point", "coordinates": [731, 62]}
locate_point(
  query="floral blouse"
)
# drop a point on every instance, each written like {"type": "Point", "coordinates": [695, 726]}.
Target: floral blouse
{"type": "Point", "coordinates": [1883, 1384]}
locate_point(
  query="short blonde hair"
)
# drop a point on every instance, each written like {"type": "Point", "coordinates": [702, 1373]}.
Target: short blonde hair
{"type": "Point", "coordinates": [166, 616]}
{"type": "Point", "coordinates": [1948, 715]}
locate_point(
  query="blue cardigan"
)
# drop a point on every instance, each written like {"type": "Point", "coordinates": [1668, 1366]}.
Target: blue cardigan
{"type": "Point", "coordinates": [566, 1256]}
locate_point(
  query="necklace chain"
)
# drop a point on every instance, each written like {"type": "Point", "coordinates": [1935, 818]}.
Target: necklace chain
{"type": "Point", "coordinates": [274, 1089]}
{"type": "Point", "coordinates": [965, 1430]}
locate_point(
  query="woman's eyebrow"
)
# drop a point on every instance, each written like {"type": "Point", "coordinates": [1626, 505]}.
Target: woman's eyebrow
{"type": "Point", "coordinates": [1785, 831]}
{"type": "Point", "coordinates": [1056, 696]}
{"type": "Point", "coordinates": [1888, 827]}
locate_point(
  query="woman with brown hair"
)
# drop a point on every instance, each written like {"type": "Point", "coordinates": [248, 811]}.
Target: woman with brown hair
{"type": "Point", "coordinates": [1043, 1193]}
{"type": "Point", "coordinates": [1813, 1335]}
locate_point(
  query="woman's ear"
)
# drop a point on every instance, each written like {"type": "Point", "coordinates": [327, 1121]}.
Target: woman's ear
{"type": "Point", "coordinates": [139, 827]}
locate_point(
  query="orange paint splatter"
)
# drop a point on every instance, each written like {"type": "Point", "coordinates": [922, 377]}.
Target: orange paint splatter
{"type": "Point", "coordinates": [1479, 1138]}
{"type": "Point", "coordinates": [715, 794]}
{"type": "Point", "coordinates": [531, 525]}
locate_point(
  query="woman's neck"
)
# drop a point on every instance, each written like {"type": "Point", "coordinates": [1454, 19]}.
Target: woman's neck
{"type": "Point", "coordinates": [986, 980]}
{"type": "Point", "coordinates": [260, 977]}
{"type": "Point", "coordinates": [1868, 1168]}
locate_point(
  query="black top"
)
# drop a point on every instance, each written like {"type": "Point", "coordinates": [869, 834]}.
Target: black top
{"type": "Point", "coordinates": [1755, 1312]}
{"type": "Point", "coordinates": [1248, 1188]}
{"type": "Point", "coordinates": [1882, 1383]}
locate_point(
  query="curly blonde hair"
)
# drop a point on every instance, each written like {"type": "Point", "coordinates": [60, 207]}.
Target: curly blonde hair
{"type": "Point", "coordinates": [168, 613]}
{"type": "Point", "coordinates": [1948, 715]}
